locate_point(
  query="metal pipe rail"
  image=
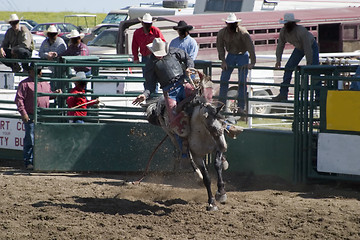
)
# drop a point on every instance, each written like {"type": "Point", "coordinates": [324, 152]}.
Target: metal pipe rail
{"type": "Point", "coordinates": [307, 125]}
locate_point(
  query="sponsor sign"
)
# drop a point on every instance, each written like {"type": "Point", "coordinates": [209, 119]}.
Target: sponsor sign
{"type": "Point", "coordinates": [12, 132]}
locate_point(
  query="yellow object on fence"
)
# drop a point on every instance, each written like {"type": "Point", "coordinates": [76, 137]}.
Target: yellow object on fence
{"type": "Point", "coordinates": [343, 110]}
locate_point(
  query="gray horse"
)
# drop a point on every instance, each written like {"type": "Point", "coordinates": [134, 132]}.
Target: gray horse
{"type": "Point", "coordinates": [206, 136]}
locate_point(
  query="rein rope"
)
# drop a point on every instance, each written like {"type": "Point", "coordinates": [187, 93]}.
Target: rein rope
{"type": "Point", "coordinates": [149, 161]}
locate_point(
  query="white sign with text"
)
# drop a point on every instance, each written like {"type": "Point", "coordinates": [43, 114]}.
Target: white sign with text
{"type": "Point", "coordinates": [12, 132]}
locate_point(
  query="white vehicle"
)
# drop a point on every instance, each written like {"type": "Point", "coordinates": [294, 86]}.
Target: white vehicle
{"type": "Point", "coordinates": [164, 8]}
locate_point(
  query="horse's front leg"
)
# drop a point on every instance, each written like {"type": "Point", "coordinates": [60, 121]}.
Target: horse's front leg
{"type": "Point", "coordinates": [207, 182]}
{"type": "Point", "coordinates": [220, 195]}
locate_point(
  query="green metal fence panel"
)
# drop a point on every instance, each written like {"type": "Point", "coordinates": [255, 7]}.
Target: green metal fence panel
{"type": "Point", "coordinates": [123, 147]}
{"type": "Point", "coordinates": [262, 152]}
{"type": "Point", "coordinates": [127, 147]}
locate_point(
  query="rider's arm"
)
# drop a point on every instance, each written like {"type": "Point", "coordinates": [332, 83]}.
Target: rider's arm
{"type": "Point", "coordinates": [182, 57]}
{"type": "Point", "coordinates": [189, 62]}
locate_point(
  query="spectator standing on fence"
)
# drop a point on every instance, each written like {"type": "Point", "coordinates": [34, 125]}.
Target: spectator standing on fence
{"type": "Point", "coordinates": [305, 45]}
{"type": "Point", "coordinates": [24, 101]}
{"type": "Point", "coordinates": [52, 46]}
{"type": "Point", "coordinates": [77, 48]}
{"type": "Point", "coordinates": [144, 36]}
{"type": "Point", "coordinates": [184, 41]}
{"type": "Point", "coordinates": [237, 42]}
{"type": "Point", "coordinates": [18, 43]}
{"type": "Point", "coordinates": [79, 102]}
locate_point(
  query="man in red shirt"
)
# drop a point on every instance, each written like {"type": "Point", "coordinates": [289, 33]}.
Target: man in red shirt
{"type": "Point", "coordinates": [144, 36]}
{"type": "Point", "coordinates": [80, 102]}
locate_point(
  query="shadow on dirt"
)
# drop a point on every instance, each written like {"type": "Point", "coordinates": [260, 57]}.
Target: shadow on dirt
{"type": "Point", "coordinates": [110, 206]}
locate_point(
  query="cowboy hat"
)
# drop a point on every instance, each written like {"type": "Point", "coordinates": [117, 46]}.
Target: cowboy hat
{"type": "Point", "coordinates": [13, 18]}
{"type": "Point", "coordinates": [232, 18]}
{"type": "Point", "coordinates": [74, 34]}
{"type": "Point", "coordinates": [51, 29]}
{"type": "Point", "coordinates": [183, 25]}
{"type": "Point", "coordinates": [289, 17]}
{"type": "Point", "coordinates": [158, 47]}
{"type": "Point", "coordinates": [147, 18]}
{"type": "Point", "coordinates": [79, 76]}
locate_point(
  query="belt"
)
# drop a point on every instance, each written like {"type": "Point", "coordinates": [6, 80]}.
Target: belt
{"type": "Point", "coordinates": [240, 53]}
{"type": "Point", "coordinates": [172, 86]}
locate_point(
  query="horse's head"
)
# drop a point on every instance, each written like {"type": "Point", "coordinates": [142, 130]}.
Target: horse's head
{"type": "Point", "coordinates": [211, 117]}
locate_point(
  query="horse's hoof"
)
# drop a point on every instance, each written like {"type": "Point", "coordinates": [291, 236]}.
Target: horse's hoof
{"type": "Point", "coordinates": [199, 174]}
{"type": "Point", "coordinates": [221, 198]}
{"type": "Point", "coordinates": [225, 165]}
{"type": "Point", "coordinates": [212, 207]}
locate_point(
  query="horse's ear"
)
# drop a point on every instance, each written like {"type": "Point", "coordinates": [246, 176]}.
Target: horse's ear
{"type": "Point", "coordinates": [219, 107]}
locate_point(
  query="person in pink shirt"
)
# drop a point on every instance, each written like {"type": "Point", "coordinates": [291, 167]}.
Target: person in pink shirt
{"type": "Point", "coordinates": [144, 36]}
{"type": "Point", "coordinates": [24, 101]}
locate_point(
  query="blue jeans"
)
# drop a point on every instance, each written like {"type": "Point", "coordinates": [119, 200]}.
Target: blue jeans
{"type": "Point", "coordinates": [28, 142]}
{"type": "Point", "coordinates": [76, 121]}
{"type": "Point", "coordinates": [293, 61]}
{"type": "Point", "coordinates": [239, 60]}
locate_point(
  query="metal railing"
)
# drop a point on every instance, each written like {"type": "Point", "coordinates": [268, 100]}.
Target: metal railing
{"type": "Point", "coordinates": [310, 117]}
{"type": "Point", "coordinates": [103, 68]}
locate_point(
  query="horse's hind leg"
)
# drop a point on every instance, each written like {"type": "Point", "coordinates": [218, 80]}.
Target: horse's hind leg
{"type": "Point", "coordinates": [207, 182]}
{"type": "Point", "coordinates": [220, 195]}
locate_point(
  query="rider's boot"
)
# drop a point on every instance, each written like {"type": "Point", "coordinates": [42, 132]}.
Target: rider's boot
{"type": "Point", "coordinates": [233, 130]}
{"type": "Point", "coordinates": [184, 152]}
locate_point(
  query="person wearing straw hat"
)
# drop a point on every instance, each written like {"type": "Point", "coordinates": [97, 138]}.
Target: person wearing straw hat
{"type": "Point", "coordinates": [305, 45]}
{"type": "Point", "coordinates": [24, 101]}
{"type": "Point", "coordinates": [79, 102]}
{"type": "Point", "coordinates": [144, 36]}
{"type": "Point", "coordinates": [77, 48]}
{"type": "Point", "coordinates": [236, 41]}
{"type": "Point", "coordinates": [52, 46]}
{"type": "Point", "coordinates": [18, 43]}
{"type": "Point", "coordinates": [184, 41]}
{"type": "Point", "coordinates": [165, 66]}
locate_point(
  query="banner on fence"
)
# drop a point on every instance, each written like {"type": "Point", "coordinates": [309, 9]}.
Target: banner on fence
{"type": "Point", "coordinates": [12, 133]}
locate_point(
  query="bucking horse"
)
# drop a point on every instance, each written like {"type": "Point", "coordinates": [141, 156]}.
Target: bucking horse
{"type": "Point", "coordinates": [204, 134]}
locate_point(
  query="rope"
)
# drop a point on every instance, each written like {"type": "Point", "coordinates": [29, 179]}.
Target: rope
{"type": "Point", "coordinates": [83, 104]}
{"type": "Point", "coordinates": [149, 161]}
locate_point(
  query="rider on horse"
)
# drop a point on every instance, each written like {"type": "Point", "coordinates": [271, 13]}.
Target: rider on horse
{"type": "Point", "coordinates": [165, 67]}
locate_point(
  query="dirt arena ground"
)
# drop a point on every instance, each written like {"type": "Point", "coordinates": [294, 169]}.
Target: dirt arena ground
{"type": "Point", "coordinates": [98, 206]}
